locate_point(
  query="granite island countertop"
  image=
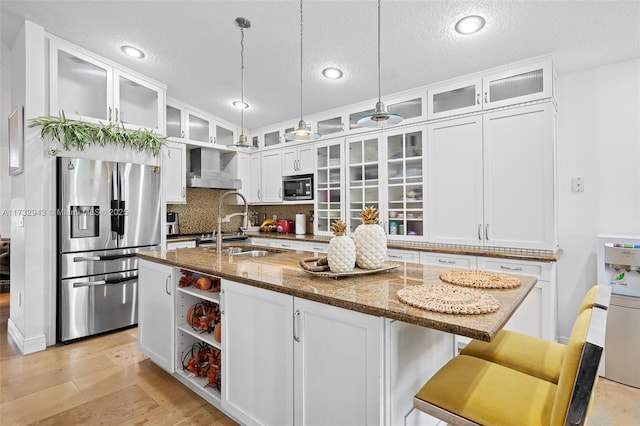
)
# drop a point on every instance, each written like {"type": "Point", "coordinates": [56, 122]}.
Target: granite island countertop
{"type": "Point", "coordinates": [373, 294]}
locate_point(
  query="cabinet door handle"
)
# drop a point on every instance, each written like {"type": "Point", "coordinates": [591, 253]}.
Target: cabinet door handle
{"type": "Point", "coordinates": [285, 245]}
{"type": "Point", "coordinates": [110, 115]}
{"type": "Point", "coordinates": [394, 256]}
{"type": "Point", "coordinates": [280, 193]}
{"type": "Point", "coordinates": [480, 231]}
{"type": "Point", "coordinates": [486, 98]}
{"type": "Point", "coordinates": [259, 195]}
{"type": "Point", "coordinates": [182, 134]}
{"type": "Point", "coordinates": [486, 232]}
{"type": "Point", "coordinates": [296, 318]}
{"type": "Point", "coordinates": [117, 114]}
{"type": "Point", "coordinates": [167, 289]}
{"type": "Point", "coordinates": [221, 305]}
{"type": "Point", "coordinates": [477, 98]}
{"type": "Point", "coordinates": [448, 262]}
{"type": "Point", "coordinates": [511, 268]}
{"type": "Point", "coordinates": [183, 192]}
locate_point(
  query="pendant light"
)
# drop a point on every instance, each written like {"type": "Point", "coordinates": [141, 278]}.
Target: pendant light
{"type": "Point", "coordinates": [379, 117]}
{"type": "Point", "coordinates": [301, 133]}
{"type": "Point", "coordinates": [242, 141]}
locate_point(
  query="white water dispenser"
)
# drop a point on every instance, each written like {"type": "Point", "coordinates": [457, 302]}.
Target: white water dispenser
{"type": "Point", "coordinates": [619, 267]}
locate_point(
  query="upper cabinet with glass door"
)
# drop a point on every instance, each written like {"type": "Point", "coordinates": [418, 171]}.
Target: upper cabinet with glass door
{"type": "Point", "coordinates": [329, 187]}
{"type": "Point", "coordinates": [410, 110]}
{"type": "Point", "coordinates": [190, 125]}
{"type": "Point", "coordinates": [513, 86]}
{"type": "Point", "coordinates": [89, 89]}
{"type": "Point", "coordinates": [405, 177]}
{"type": "Point", "coordinates": [363, 176]}
{"type": "Point", "coordinates": [330, 127]}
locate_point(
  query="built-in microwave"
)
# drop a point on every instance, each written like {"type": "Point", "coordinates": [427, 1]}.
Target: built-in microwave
{"type": "Point", "coordinates": [297, 187]}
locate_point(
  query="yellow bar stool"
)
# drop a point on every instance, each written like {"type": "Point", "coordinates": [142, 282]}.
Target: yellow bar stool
{"type": "Point", "coordinates": [474, 391]}
{"type": "Point", "coordinates": [527, 354]}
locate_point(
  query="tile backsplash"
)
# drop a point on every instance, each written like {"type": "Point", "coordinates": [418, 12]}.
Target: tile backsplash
{"type": "Point", "coordinates": [200, 213]}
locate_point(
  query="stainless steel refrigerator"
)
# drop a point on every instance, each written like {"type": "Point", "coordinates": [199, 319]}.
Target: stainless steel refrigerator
{"type": "Point", "coordinates": [107, 212]}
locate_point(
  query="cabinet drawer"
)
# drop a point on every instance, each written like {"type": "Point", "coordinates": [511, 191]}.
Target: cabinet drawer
{"type": "Point", "coordinates": [403, 255]}
{"type": "Point", "coordinates": [540, 270]}
{"type": "Point", "coordinates": [181, 244]}
{"type": "Point", "coordinates": [262, 242]}
{"type": "Point", "coordinates": [315, 247]}
{"type": "Point", "coordinates": [286, 244]}
{"type": "Point", "coordinates": [451, 260]}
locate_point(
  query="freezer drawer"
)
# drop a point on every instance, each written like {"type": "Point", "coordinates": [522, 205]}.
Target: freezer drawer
{"type": "Point", "coordinates": [92, 305]}
{"type": "Point", "coordinates": [100, 262]}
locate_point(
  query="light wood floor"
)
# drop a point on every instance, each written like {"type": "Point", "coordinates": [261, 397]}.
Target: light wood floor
{"type": "Point", "coordinates": [107, 381]}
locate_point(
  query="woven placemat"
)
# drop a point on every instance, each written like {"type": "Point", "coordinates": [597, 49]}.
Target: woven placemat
{"type": "Point", "coordinates": [448, 299]}
{"type": "Point", "coordinates": [480, 279]}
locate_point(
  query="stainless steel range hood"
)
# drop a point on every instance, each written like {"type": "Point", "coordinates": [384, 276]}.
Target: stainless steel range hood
{"type": "Point", "coordinates": [213, 168]}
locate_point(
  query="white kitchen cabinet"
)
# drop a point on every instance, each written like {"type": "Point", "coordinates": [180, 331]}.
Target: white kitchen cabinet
{"type": "Point", "coordinates": [244, 174]}
{"type": "Point", "coordinates": [329, 198]}
{"type": "Point", "coordinates": [491, 179]}
{"type": "Point", "coordinates": [519, 177]}
{"type": "Point", "coordinates": [404, 173]}
{"type": "Point", "coordinates": [412, 355]}
{"type": "Point", "coordinates": [88, 88]}
{"type": "Point", "coordinates": [363, 170]}
{"type": "Point", "coordinates": [190, 125]}
{"type": "Point", "coordinates": [180, 244]}
{"type": "Point", "coordinates": [448, 260]}
{"type": "Point", "coordinates": [338, 357]}
{"type": "Point", "coordinates": [272, 137]}
{"type": "Point", "coordinates": [298, 160]}
{"type": "Point", "coordinates": [460, 97]}
{"type": "Point", "coordinates": [271, 176]}
{"type": "Point", "coordinates": [331, 126]}
{"type": "Point", "coordinates": [255, 195]}
{"type": "Point", "coordinates": [454, 181]}
{"type": "Point", "coordinates": [258, 363]}
{"type": "Point", "coordinates": [174, 174]}
{"type": "Point", "coordinates": [517, 85]}
{"type": "Point", "coordinates": [399, 255]}
{"type": "Point", "coordinates": [156, 319]}
{"type": "Point", "coordinates": [512, 86]}
{"type": "Point", "coordinates": [316, 247]}
{"type": "Point", "coordinates": [537, 314]}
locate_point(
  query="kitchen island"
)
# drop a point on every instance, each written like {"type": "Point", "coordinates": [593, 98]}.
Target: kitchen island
{"type": "Point", "coordinates": [298, 348]}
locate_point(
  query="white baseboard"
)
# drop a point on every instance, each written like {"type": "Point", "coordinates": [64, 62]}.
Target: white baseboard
{"type": "Point", "coordinates": [26, 346]}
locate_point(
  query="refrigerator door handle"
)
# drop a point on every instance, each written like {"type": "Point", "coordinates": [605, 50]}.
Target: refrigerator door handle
{"type": "Point", "coordinates": [120, 211]}
{"type": "Point", "coordinates": [99, 258]}
{"type": "Point", "coordinates": [115, 193]}
{"type": "Point", "coordinates": [103, 282]}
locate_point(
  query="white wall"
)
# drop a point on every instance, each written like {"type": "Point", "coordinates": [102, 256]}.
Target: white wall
{"type": "Point", "coordinates": [5, 102]}
{"type": "Point", "coordinates": [598, 139]}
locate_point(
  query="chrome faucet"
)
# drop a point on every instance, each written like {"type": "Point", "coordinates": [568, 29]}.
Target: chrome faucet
{"type": "Point", "coordinates": [228, 217]}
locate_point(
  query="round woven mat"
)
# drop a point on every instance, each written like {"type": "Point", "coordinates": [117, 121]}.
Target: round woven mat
{"type": "Point", "coordinates": [448, 299]}
{"type": "Point", "coordinates": [480, 279]}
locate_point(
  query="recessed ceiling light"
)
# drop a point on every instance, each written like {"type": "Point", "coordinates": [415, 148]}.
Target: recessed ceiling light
{"type": "Point", "coordinates": [133, 52]}
{"type": "Point", "coordinates": [240, 104]}
{"type": "Point", "coordinates": [332, 73]}
{"type": "Point", "coordinates": [470, 24]}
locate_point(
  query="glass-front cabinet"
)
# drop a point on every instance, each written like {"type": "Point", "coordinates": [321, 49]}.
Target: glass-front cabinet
{"type": "Point", "coordinates": [88, 89]}
{"type": "Point", "coordinates": [329, 186]}
{"type": "Point", "coordinates": [461, 97]}
{"type": "Point", "coordinates": [405, 183]}
{"type": "Point", "coordinates": [363, 178]}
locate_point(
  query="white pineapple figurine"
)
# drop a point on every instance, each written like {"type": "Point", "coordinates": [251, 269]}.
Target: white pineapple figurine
{"type": "Point", "coordinates": [370, 240]}
{"type": "Point", "coordinates": [342, 251]}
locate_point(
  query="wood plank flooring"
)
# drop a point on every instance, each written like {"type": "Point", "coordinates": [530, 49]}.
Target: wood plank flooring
{"type": "Point", "coordinates": [107, 381]}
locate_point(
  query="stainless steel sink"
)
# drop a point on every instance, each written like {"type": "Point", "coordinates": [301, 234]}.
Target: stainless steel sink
{"type": "Point", "coordinates": [254, 253]}
{"type": "Point", "coordinates": [249, 251]}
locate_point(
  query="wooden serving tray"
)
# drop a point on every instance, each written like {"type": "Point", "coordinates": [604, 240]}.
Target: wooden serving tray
{"type": "Point", "coordinates": [387, 266]}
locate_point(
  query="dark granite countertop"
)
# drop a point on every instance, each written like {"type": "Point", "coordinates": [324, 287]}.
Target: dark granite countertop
{"type": "Point", "coordinates": [373, 294]}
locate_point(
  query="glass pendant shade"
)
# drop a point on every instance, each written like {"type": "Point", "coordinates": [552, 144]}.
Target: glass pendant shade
{"type": "Point", "coordinates": [301, 133]}
{"type": "Point", "coordinates": [379, 117]}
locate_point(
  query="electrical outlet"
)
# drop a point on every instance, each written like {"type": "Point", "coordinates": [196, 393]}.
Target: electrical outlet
{"type": "Point", "coordinates": [577, 184]}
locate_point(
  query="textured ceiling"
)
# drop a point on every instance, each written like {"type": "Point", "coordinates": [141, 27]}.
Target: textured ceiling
{"type": "Point", "coordinates": [194, 46]}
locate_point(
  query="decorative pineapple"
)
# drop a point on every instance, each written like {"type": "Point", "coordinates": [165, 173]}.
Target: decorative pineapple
{"type": "Point", "coordinates": [370, 240]}
{"type": "Point", "coordinates": [342, 250]}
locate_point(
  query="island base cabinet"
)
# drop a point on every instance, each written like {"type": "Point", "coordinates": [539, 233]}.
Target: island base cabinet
{"type": "Point", "coordinates": [156, 294]}
{"type": "Point", "coordinates": [338, 366]}
{"type": "Point", "coordinates": [412, 355]}
{"type": "Point", "coordinates": [257, 355]}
